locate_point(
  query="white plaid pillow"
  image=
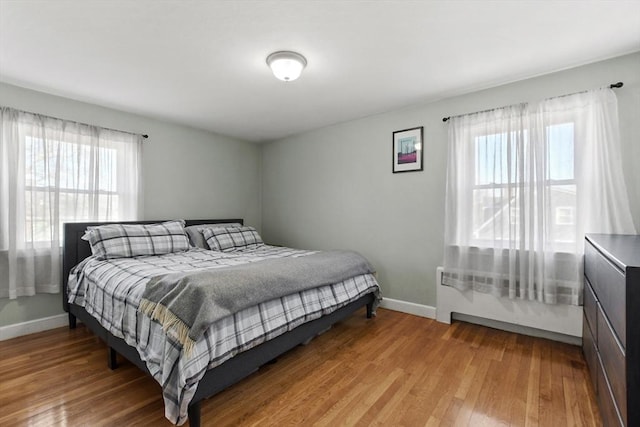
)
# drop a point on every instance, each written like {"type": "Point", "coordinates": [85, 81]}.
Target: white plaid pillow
{"type": "Point", "coordinates": [194, 232]}
{"type": "Point", "coordinates": [230, 239]}
{"type": "Point", "coordinates": [131, 240]}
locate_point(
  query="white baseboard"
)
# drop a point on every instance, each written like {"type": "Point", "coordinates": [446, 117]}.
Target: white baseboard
{"type": "Point", "coordinates": [409, 308]}
{"type": "Point", "coordinates": [33, 326]}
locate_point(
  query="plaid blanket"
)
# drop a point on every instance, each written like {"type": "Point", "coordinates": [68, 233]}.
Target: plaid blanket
{"type": "Point", "coordinates": [190, 302]}
{"type": "Point", "coordinates": [111, 292]}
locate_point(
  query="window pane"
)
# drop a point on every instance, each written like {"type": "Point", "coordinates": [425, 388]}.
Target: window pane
{"type": "Point", "coordinates": [492, 213]}
{"type": "Point", "coordinates": [562, 213]}
{"type": "Point", "coordinates": [38, 207]}
{"type": "Point", "coordinates": [497, 157]}
{"type": "Point", "coordinates": [561, 151]}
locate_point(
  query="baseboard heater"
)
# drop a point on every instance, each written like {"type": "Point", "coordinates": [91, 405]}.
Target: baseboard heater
{"type": "Point", "coordinates": [558, 322]}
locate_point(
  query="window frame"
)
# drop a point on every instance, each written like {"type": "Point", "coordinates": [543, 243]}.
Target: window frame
{"type": "Point", "coordinates": [483, 131]}
{"type": "Point", "coordinates": [29, 237]}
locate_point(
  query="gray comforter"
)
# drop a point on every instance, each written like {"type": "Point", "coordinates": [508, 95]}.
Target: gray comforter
{"type": "Point", "coordinates": [188, 303]}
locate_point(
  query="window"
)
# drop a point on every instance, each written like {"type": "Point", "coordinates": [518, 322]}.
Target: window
{"type": "Point", "coordinates": [524, 185]}
{"type": "Point", "coordinates": [504, 184]}
{"type": "Point", "coordinates": [70, 165]}
{"type": "Point", "coordinates": [54, 171]}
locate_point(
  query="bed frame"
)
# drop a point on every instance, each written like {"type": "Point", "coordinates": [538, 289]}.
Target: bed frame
{"type": "Point", "coordinates": [220, 377]}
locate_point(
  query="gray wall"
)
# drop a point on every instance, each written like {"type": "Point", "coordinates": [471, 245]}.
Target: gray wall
{"type": "Point", "coordinates": [187, 173]}
{"type": "Point", "coordinates": [333, 187]}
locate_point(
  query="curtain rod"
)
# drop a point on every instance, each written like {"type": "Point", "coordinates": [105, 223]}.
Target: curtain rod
{"type": "Point", "coordinates": [145, 136]}
{"type": "Point", "coordinates": [611, 86]}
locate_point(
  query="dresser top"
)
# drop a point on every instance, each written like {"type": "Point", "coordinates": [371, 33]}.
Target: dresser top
{"type": "Point", "coordinates": [621, 249]}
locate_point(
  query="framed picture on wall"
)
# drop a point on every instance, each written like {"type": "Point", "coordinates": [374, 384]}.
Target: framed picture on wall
{"type": "Point", "coordinates": [407, 150]}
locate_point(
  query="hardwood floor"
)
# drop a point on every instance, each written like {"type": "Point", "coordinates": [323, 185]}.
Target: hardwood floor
{"type": "Point", "coordinates": [394, 370]}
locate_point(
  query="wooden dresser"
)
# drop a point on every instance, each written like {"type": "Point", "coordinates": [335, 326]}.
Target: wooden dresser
{"type": "Point", "coordinates": [611, 327]}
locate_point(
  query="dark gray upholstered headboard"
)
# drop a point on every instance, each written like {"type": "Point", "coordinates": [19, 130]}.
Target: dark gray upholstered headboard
{"type": "Point", "coordinates": [75, 249]}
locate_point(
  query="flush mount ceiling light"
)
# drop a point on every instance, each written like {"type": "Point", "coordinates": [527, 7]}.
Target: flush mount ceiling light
{"type": "Point", "coordinates": [286, 66]}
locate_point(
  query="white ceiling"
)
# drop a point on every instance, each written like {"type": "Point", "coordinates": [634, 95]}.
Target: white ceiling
{"type": "Point", "coordinates": [202, 63]}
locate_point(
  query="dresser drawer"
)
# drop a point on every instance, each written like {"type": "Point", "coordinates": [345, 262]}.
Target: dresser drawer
{"type": "Point", "coordinates": [590, 307]}
{"type": "Point", "coordinates": [590, 352]}
{"type": "Point", "coordinates": [610, 289]}
{"type": "Point", "coordinates": [591, 256]}
{"type": "Point", "coordinates": [613, 360]}
{"type": "Point", "coordinates": [608, 409]}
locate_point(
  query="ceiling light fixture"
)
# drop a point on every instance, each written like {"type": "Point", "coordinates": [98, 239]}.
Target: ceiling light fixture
{"type": "Point", "coordinates": [286, 66]}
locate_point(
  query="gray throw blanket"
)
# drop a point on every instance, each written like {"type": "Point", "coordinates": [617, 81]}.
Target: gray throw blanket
{"type": "Point", "coordinates": [188, 303]}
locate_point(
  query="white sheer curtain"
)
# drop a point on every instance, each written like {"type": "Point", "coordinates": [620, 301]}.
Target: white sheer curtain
{"type": "Point", "coordinates": [524, 185]}
{"type": "Point", "coordinates": [53, 171]}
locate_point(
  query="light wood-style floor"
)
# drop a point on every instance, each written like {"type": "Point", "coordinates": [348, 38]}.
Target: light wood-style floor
{"type": "Point", "coordinates": [394, 370]}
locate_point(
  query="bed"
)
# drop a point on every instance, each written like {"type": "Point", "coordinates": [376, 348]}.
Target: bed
{"type": "Point", "coordinates": [197, 378]}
